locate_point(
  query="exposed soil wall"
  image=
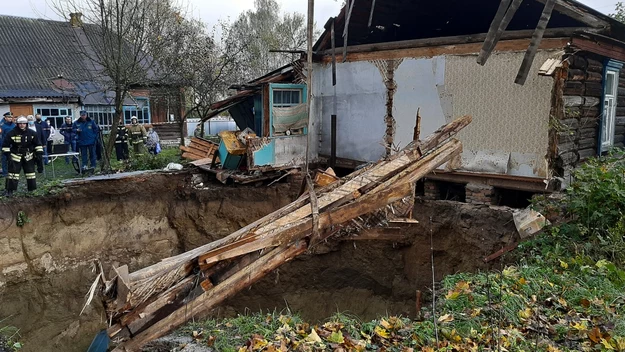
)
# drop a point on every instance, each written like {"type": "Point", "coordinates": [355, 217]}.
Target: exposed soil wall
{"type": "Point", "coordinates": [46, 266]}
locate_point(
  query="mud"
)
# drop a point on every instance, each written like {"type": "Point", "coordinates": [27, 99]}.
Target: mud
{"type": "Point", "coordinates": [46, 267]}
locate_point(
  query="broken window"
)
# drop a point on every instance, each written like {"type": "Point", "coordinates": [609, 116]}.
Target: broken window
{"type": "Point", "coordinates": [610, 90]}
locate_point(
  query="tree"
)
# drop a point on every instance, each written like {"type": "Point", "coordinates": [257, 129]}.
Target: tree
{"type": "Point", "coordinates": [265, 29]}
{"type": "Point", "coordinates": [619, 13]}
{"type": "Point", "coordinates": [120, 39]}
{"type": "Point", "coordinates": [205, 63]}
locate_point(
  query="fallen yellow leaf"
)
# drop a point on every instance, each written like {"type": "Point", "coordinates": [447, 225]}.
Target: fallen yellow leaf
{"type": "Point", "coordinates": [380, 331]}
{"type": "Point", "coordinates": [445, 318]}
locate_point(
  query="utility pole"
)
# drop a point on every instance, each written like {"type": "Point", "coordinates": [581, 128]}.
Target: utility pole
{"type": "Point", "coordinates": [309, 69]}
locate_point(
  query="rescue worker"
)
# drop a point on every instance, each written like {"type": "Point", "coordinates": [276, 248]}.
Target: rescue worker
{"type": "Point", "coordinates": [5, 127]}
{"type": "Point", "coordinates": [47, 132]}
{"type": "Point", "coordinates": [121, 141]}
{"type": "Point", "coordinates": [137, 136]}
{"type": "Point", "coordinates": [23, 148]}
{"type": "Point", "coordinates": [87, 133]}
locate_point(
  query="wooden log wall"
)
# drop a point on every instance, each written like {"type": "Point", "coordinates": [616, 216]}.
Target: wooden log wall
{"type": "Point", "coordinates": [576, 128]}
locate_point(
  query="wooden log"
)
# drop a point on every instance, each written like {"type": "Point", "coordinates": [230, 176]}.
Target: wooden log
{"type": "Point", "coordinates": [215, 296]}
{"type": "Point", "coordinates": [192, 156]}
{"type": "Point", "coordinates": [530, 54]}
{"type": "Point", "coordinates": [490, 43]}
{"type": "Point", "coordinates": [314, 209]}
{"type": "Point", "coordinates": [378, 198]}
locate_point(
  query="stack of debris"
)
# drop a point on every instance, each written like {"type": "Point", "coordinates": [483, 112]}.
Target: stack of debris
{"type": "Point", "coordinates": [149, 303]}
{"type": "Point", "coordinates": [200, 150]}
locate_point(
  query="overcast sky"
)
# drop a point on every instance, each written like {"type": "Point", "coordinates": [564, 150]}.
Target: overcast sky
{"type": "Point", "coordinates": [213, 10]}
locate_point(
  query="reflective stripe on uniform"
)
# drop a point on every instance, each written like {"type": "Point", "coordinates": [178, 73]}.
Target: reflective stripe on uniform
{"type": "Point", "coordinates": [6, 150]}
{"type": "Point", "coordinates": [16, 158]}
{"type": "Point", "coordinates": [16, 139]}
{"type": "Point", "coordinates": [30, 175]}
{"type": "Point", "coordinates": [12, 176]}
{"type": "Point", "coordinates": [39, 149]}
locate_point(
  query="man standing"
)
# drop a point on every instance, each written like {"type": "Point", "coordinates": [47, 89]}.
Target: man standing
{"type": "Point", "coordinates": [69, 138]}
{"type": "Point", "coordinates": [121, 141]}
{"type": "Point", "coordinates": [86, 132]}
{"type": "Point", "coordinates": [23, 148]}
{"type": "Point", "coordinates": [137, 136]}
{"type": "Point", "coordinates": [5, 128]}
{"type": "Point", "coordinates": [36, 128]}
{"type": "Point", "coordinates": [45, 127]}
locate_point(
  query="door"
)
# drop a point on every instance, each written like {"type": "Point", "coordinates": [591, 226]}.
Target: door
{"type": "Point", "coordinates": [21, 109]}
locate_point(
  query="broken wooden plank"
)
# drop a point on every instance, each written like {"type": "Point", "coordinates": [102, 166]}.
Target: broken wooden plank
{"type": "Point", "coordinates": [293, 230]}
{"type": "Point", "coordinates": [489, 41]}
{"type": "Point", "coordinates": [530, 54]}
{"type": "Point", "coordinates": [371, 13]}
{"type": "Point", "coordinates": [350, 4]}
{"type": "Point", "coordinates": [380, 234]}
{"type": "Point", "coordinates": [210, 299]}
{"type": "Point", "coordinates": [417, 127]}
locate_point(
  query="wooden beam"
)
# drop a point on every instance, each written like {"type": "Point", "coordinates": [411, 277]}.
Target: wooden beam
{"type": "Point", "coordinates": [460, 49]}
{"type": "Point", "coordinates": [417, 127]}
{"type": "Point", "coordinates": [492, 31]}
{"type": "Point", "coordinates": [380, 234]}
{"type": "Point", "coordinates": [371, 13]}
{"type": "Point", "coordinates": [332, 34]}
{"type": "Point", "coordinates": [350, 3]}
{"type": "Point", "coordinates": [210, 299]}
{"type": "Point", "coordinates": [460, 39]}
{"type": "Point", "coordinates": [529, 184]}
{"type": "Point", "coordinates": [530, 54]}
{"type": "Point", "coordinates": [599, 47]}
{"type": "Point", "coordinates": [492, 40]}
{"type": "Point", "coordinates": [579, 13]}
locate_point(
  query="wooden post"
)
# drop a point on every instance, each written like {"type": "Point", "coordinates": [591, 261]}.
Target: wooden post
{"type": "Point", "coordinates": [418, 304]}
{"type": "Point", "coordinates": [332, 35]}
{"type": "Point", "coordinates": [528, 59]}
{"type": "Point", "coordinates": [309, 54]}
{"type": "Point", "coordinates": [417, 127]}
{"type": "Point", "coordinates": [493, 38]}
{"type": "Point", "coordinates": [333, 141]}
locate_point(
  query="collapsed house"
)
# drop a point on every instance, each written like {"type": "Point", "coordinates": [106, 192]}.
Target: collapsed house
{"type": "Point", "coordinates": [378, 62]}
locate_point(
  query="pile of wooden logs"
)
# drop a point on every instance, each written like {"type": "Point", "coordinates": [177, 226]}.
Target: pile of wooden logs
{"type": "Point", "coordinates": [153, 301]}
{"type": "Point", "coordinates": [200, 149]}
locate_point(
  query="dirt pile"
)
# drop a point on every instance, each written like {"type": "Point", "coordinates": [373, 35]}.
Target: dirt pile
{"type": "Point", "coordinates": [46, 267]}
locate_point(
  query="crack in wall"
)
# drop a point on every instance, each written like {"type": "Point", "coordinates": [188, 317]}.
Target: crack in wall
{"type": "Point", "coordinates": [387, 70]}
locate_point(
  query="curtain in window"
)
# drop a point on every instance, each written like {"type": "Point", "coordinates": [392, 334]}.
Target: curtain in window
{"type": "Point", "coordinates": [290, 118]}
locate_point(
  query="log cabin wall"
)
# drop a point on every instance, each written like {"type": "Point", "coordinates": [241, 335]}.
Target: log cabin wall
{"type": "Point", "coordinates": [578, 127]}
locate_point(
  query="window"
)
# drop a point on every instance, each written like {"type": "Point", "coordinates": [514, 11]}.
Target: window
{"type": "Point", "coordinates": [54, 116]}
{"type": "Point", "coordinates": [102, 115]}
{"type": "Point", "coordinates": [610, 90]}
{"type": "Point", "coordinates": [289, 112]}
{"type": "Point", "coordinates": [283, 98]}
{"type": "Point", "coordinates": [141, 111]}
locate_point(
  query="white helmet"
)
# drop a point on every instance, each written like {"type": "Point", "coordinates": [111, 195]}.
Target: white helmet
{"type": "Point", "coordinates": [22, 119]}
{"type": "Point", "coordinates": [133, 118]}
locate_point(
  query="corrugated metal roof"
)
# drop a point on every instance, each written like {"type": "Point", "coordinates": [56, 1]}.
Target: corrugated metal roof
{"type": "Point", "coordinates": [34, 52]}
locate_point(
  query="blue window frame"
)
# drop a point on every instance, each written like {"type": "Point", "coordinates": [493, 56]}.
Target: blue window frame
{"type": "Point", "coordinates": [608, 107]}
{"type": "Point", "coordinates": [284, 95]}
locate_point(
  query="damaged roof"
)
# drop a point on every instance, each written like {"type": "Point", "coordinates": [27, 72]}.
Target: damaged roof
{"type": "Point", "coordinates": [397, 20]}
